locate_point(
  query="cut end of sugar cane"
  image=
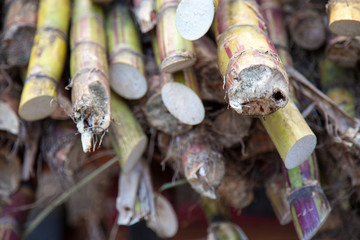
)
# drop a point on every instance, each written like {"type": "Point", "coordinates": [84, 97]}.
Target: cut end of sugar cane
{"type": "Point", "coordinates": [183, 103]}
{"type": "Point", "coordinates": [346, 27]}
{"type": "Point", "coordinates": [176, 63]}
{"type": "Point", "coordinates": [159, 118]}
{"type": "Point", "coordinates": [255, 85]}
{"type": "Point", "coordinates": [38, 103]}
{"type": "Point", "coordinates": [127, 81]}
{"type": "Point", "coordinates": [296, 154]}
{"type": "Point", "coordinates": [91, 111]}
{"type": "Point", "coordinates": [194, 18]}
{"type": "Point", "coordinates": [291, 135]}
{"type": "Point", "coordinates": [165, 222]}
{"type": "Point", "coordinates": [344, 17]}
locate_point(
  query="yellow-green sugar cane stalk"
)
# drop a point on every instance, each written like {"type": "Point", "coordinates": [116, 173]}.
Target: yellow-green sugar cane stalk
{"type": "Point", "coordinates": [156, 113]}
{"type": "Point", "coordinates": [255, 80]}
{"type": "Point", "coordinates": [89, 72]}
{"type": "Point", "coordinates": [293, 138]}
{"type": "Point", "coordinates": [39, 96]}
{"type": "Point", "coordinates": [127, 68]}
{"type": "Point", "coordinates": [176, 53]}
{"type": "Point", "coordinates": [126, 134]}
{"type": "Point", "coordinates": [344, 17]}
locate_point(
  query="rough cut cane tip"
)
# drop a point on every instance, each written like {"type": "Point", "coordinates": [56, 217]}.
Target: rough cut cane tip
{"type": "Point", "coordinates": [194, 17]}
{"type": "Point", "coordinates": [258, 88]}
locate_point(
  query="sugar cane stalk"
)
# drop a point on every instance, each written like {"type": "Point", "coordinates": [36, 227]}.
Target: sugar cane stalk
{"type": "Point", "coordinates": [220, 227]}
{"type": "Point", "coordinates": [255, 80]}
{"type": "Point", "coordinates": [38, 99]}
{"type": "Point", "coordinates": [12, 219]}
{"type": "Point", "coordinates": [203, 164]}
{"type": "Point", "coordinates": [145, 14]}
{"type": "Point", "coordinates": [207, 71]}
{"type": "Point", "coordinates": [308, 203]}
{"type": "Point", "coordinates": [344, 17]}
{"type": "Point", "coordinates": [89, 72]}
{"type": "Point", "coordinates": [288, 130]}
{"type": "Point", "coordinates": [165, 222]}
{"type": "Point", "coordinates": [234, 190]}
{"type": "Point", "coordinates": [127, 67]}
{"type": "Point", "coordinates": [127, 136]}
{"type": "Point", "coordinates": [19, 31]}
{"type": "Point", "coordinates": [307, 29]}
{"type": "Point", "coordinates": [343, 51]}
{"type": "Point", "coordinates": [276, 192]}
{"type": "Point", "coordinates": [185, 86]}
{"type": "Point", "coordinates": [226, 231]}
{"type": "Point", "coordinates": [181, 97]}
{"type": "Point", "coordinates": [194, 17]}
{"type": "Point", "coordinates": [156, 113]}
{"type": "Point", "coordinates": [176, 53]}
{"type": "Point", "coordinates": [135, 199]}
{"type": "Point", "coordinates": [337, 82]}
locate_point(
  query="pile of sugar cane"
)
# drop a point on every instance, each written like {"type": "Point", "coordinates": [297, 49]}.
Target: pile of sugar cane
{"type": "Point", "coordinates": [208, 87]}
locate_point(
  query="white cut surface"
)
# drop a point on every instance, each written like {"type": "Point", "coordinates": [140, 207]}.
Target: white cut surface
{"type": "Point", "coordinates": [194, 18]}
{"type": "Point", "coordinates": [9, 121]}
{"type": "Point", "coordinates": [127, 81]}
{"type": "Point", "coordinates": [165, 223]}
{"type": "Point", "coordinates": [183, 103]}
{"type": "Point", "coordinates": [300, 151]}
{"type": "Point", "coordinates": [346, 27]}
{"type": "Point", "coordinates": [38, 108]}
